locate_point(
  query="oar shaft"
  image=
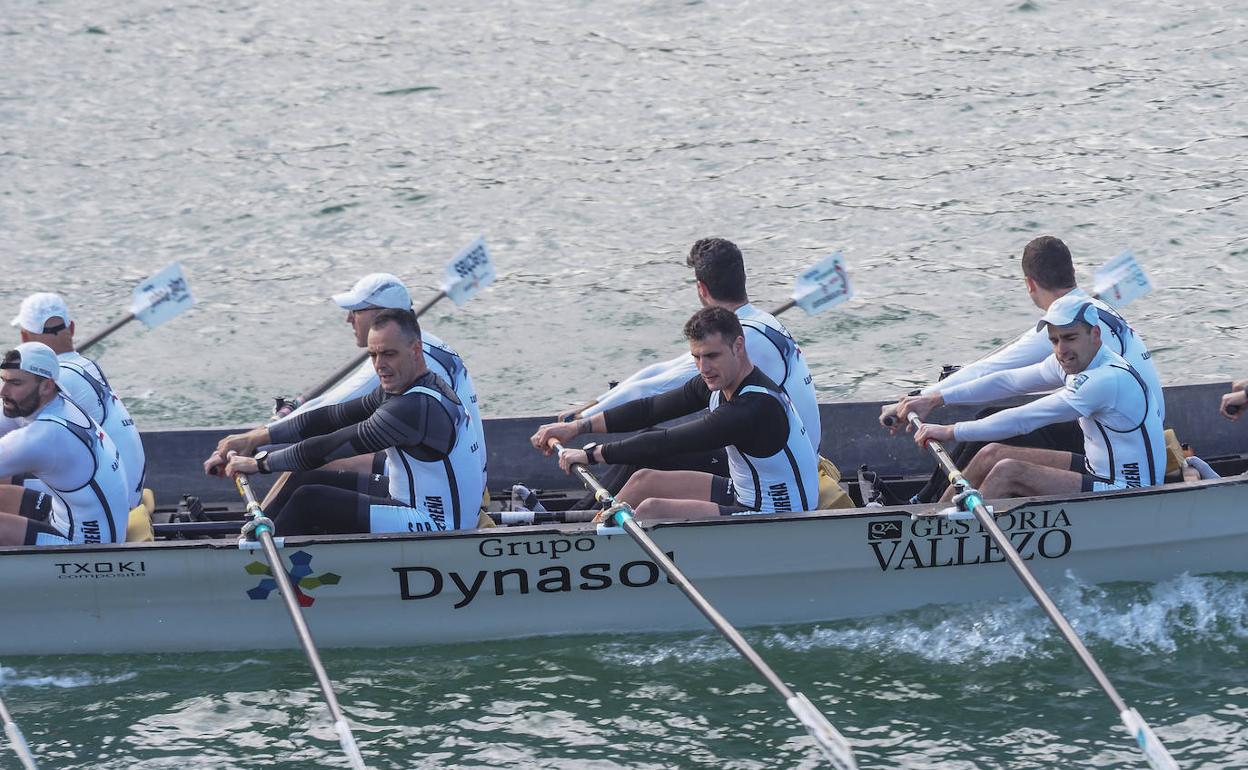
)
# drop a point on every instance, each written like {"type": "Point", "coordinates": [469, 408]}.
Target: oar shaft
{"type": "Point", "coordinates": [1041, 596]}
{"type": "Point", "coordinates": [127, 318]}
{"type": "Point", "coordinates": [346, 738]}
{"type": "Point", "coordinates": [786, 306]}
{"type": "Point", "coordinates": [16, 738]}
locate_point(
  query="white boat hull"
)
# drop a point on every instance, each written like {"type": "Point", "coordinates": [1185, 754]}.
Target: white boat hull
{"type": "Point", "coordinates": [406, 590]}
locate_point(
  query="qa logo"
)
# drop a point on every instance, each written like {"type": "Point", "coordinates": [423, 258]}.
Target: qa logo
{"type": "Point", "coordinates": [300, 575]}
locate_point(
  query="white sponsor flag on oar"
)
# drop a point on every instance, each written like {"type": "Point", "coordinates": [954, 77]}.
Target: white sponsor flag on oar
{"type": "Point", "coordinates": [162, 296]}
{"type": "Point", "coordinates": [469, 272]}
{"type": "Point", "coordinates": [823, 286]}
{"type": "Point", "coordinates": [1121, 280]}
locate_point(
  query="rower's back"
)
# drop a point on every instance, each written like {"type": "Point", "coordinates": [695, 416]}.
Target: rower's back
{"type": "Point", "coordinates": [84, 383]}
{"type": "Point", "coordinates": [774, 351]}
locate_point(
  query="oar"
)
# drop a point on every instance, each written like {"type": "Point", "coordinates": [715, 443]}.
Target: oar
{"type": "Point", "coordinates": [263, 529]}
{"type": "Point", "coordinates": [468, 272]}
{"type": "Point", "coordinates": [827, 738]}
{"type": "Point", "coordinates": [16, 738]}
{"type": "Point", "coordinates": [157, 299]}
{"type": "Point", "coordinates": [970, 500]}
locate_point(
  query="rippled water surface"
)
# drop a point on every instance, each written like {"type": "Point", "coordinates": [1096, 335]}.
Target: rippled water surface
{"type": "Point", "coordinates": [279, 150]}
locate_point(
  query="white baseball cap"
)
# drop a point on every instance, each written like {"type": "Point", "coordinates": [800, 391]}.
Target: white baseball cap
{"type": "Point", "coordinates": [36, 358]}
{"type": "Point", "coordinates": [1067, 310]}
{"type": "Point", "coordinates": [375, 290]}
{"type": "Point", "coordinates": [38, 308]}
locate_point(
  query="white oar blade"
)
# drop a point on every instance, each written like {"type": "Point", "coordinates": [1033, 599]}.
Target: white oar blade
{"type": "Point", "coordinates": [1156, 754]}
{"type": "Point", "coordinates": [1121, 280]}
{"type": "Point", "coordinates": [823, 286]}
{"type": "Point", "coordinates": [827, 738]}
{"type": "Point", "coordinates": [469, 272]}
{"type": "Point", "coordinates": [162, 297]}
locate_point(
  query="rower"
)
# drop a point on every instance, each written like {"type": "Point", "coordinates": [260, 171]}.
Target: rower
{"type": "Point", "coordinates": [719, 270]}
{"type": "Point", "coordinates": [44, 318]}
{"type": "Point", "coordinates": [1118, 413]}
{"type": "Point", "coordinates": [67, 451]}
{"type": "Point", "coordinates": [435, 480]}
{"type": "Point", "coordinates": [772, 464]}
{"type": "Point", "coordinates": [1049, 275]}
{"type": "Point", "coordinates": [369, 296]}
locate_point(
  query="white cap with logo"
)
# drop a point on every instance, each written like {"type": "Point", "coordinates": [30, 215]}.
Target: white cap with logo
{"type": "Point", "coordinates": [375, 290]}
{"type": "Point", "coordinates": [1068, 310]}
{"type": "Point", "coordinates": [36, 358]}
{"type": "Point", "coordinates": [38, 308]}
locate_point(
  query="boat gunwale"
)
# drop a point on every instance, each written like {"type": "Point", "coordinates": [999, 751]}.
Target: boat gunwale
{"type": "Point", "coordinates": [586, 529]}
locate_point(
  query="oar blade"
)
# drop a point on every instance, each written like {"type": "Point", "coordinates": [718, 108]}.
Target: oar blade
{"type": "Point", "coordinates": [829, 740]}
{"type": "Point", "coordinates": [823, 286]}
{"type": "Point", "coordinates": [469, 272]}
{"type": "Point", "coordinates": [1154, 751]}
{"type": "Point", "coordinates": [1121, 280]}
{"type": "Point", "coordinates": [161, 297]}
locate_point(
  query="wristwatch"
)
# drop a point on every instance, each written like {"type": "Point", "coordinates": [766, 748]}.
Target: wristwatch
{"type": "Point", "coordinates": [588, 449]}
{"type": "Point", "coordinates": [262, 460]}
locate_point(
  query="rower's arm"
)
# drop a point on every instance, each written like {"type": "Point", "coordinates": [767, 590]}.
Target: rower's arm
{"type": "Point", "coordinates": [1017, 421]}
{"type": "Point", "coordinates": [398, 423]}
{"type": "Point", "coordinates": [754, 423]}
{"type": "Point", "coordinates": [650, 381]}
{"type": "Point", "coordinates": [1045, 375]}
{"type": "Point", "coordinates": [685, 399]}
{"type": "Point", "coordinates": [1031, 347]}
{"type": "Point", "coordinates": [327, 419]}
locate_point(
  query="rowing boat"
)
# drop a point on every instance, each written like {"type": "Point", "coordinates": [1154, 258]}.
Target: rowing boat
{"type": "Point", "coordinates": [412, 589]}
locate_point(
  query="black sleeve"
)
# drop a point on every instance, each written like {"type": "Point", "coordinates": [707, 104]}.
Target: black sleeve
{"type": "Point", "coordinates": [652, 410]}
{"type": "Point", "coordinates": [754, 423]}
{"type": "Point", "coordinates": [407, 421]}
{"type": "Point", "coordinates": [318, 422]}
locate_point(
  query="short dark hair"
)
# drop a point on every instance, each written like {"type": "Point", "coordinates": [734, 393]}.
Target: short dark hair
{"type": "Point", "coordinates": [12, 360]}
{"type": "Point", "coordinates": [405, 319]}
{"type": "Point", "coordinates": [718, 264]}
{"type": "Point", "coordinates": [713, 320]}
{"type": "Point", "coordinates": [1046, 260]}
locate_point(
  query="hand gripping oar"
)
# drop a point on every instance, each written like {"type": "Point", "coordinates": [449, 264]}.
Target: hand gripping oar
{"type": "Point", "coordinates": [969, 499]}
{"type": "Point", "coordinates": [466, 274]}
{"type": "Point", "coordinates": [262, 528]}
{"type": "Point", "coordinates": [827, 738]}
{"type": "Point", "coordinates": [154, 301]}
{"type": "Point", "coordinates": [16, 738]}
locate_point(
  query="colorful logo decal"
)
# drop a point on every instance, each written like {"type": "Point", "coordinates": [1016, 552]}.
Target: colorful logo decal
{"type": "Point", "coordinates": [300, 575]}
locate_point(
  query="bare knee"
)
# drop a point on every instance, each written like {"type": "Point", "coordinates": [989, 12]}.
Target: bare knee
{"type": "Point", "coordinates": [638, 487]}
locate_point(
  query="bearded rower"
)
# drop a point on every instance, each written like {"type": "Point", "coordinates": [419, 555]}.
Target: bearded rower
{"type": "Point", "coordinates": [1121, 419]}
{"type": "Point", "coordinates": [44, 318]}
{"type": "Point", "coordinates": [773, 466]}
{"type": "Point", "coordinates": [67, 451]}
{"type": "Point", "coordinates": [435, 480]}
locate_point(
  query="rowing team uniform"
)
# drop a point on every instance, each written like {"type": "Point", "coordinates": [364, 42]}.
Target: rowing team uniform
{"type": "Point", "coordinates": [1033, 347]}
{"type": "Point", "coordinates": [773, 466]}
{"type": "Point", "coordinates": [1119, 414]}
{"type": "Point", "coordinates": [78, 464]}
{"type": "Point", "coordinates": [83, 382]}
{"type": "Point", "coordinates": [771, 348]}
{"type": "Point", "coordinates": [432, 459]}
{"type": "Point", "coordinates": [442, 361]}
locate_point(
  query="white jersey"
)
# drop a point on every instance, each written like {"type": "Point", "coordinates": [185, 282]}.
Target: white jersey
{"type": "Point", "coordinates": [446, 491]}
{"type": "Point", "coordinates": [785, 481]}
{"type": "Point", "coordinates": [442, 361]}
{"type": "Point", "coordinates": [83, 383]}
{"type": "Point", "coordinates": [1033, 346]}
{"type": "Point", "coordinates": [1121, 421]}
{"type": "Point", "coordinates": [79, 463]}
{"type": "Point", "coordinates": [771, 348]}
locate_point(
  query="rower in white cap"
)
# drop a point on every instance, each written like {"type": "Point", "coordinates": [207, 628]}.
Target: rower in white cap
{"type": "Point", "coordinates": [1119, 413]}
{"type": "Point", "coordinates": [65, 450]}
{"type": "Point", "coordinates": [44, 317]}
{"type": "Point", "coordinates": [369, 296]}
